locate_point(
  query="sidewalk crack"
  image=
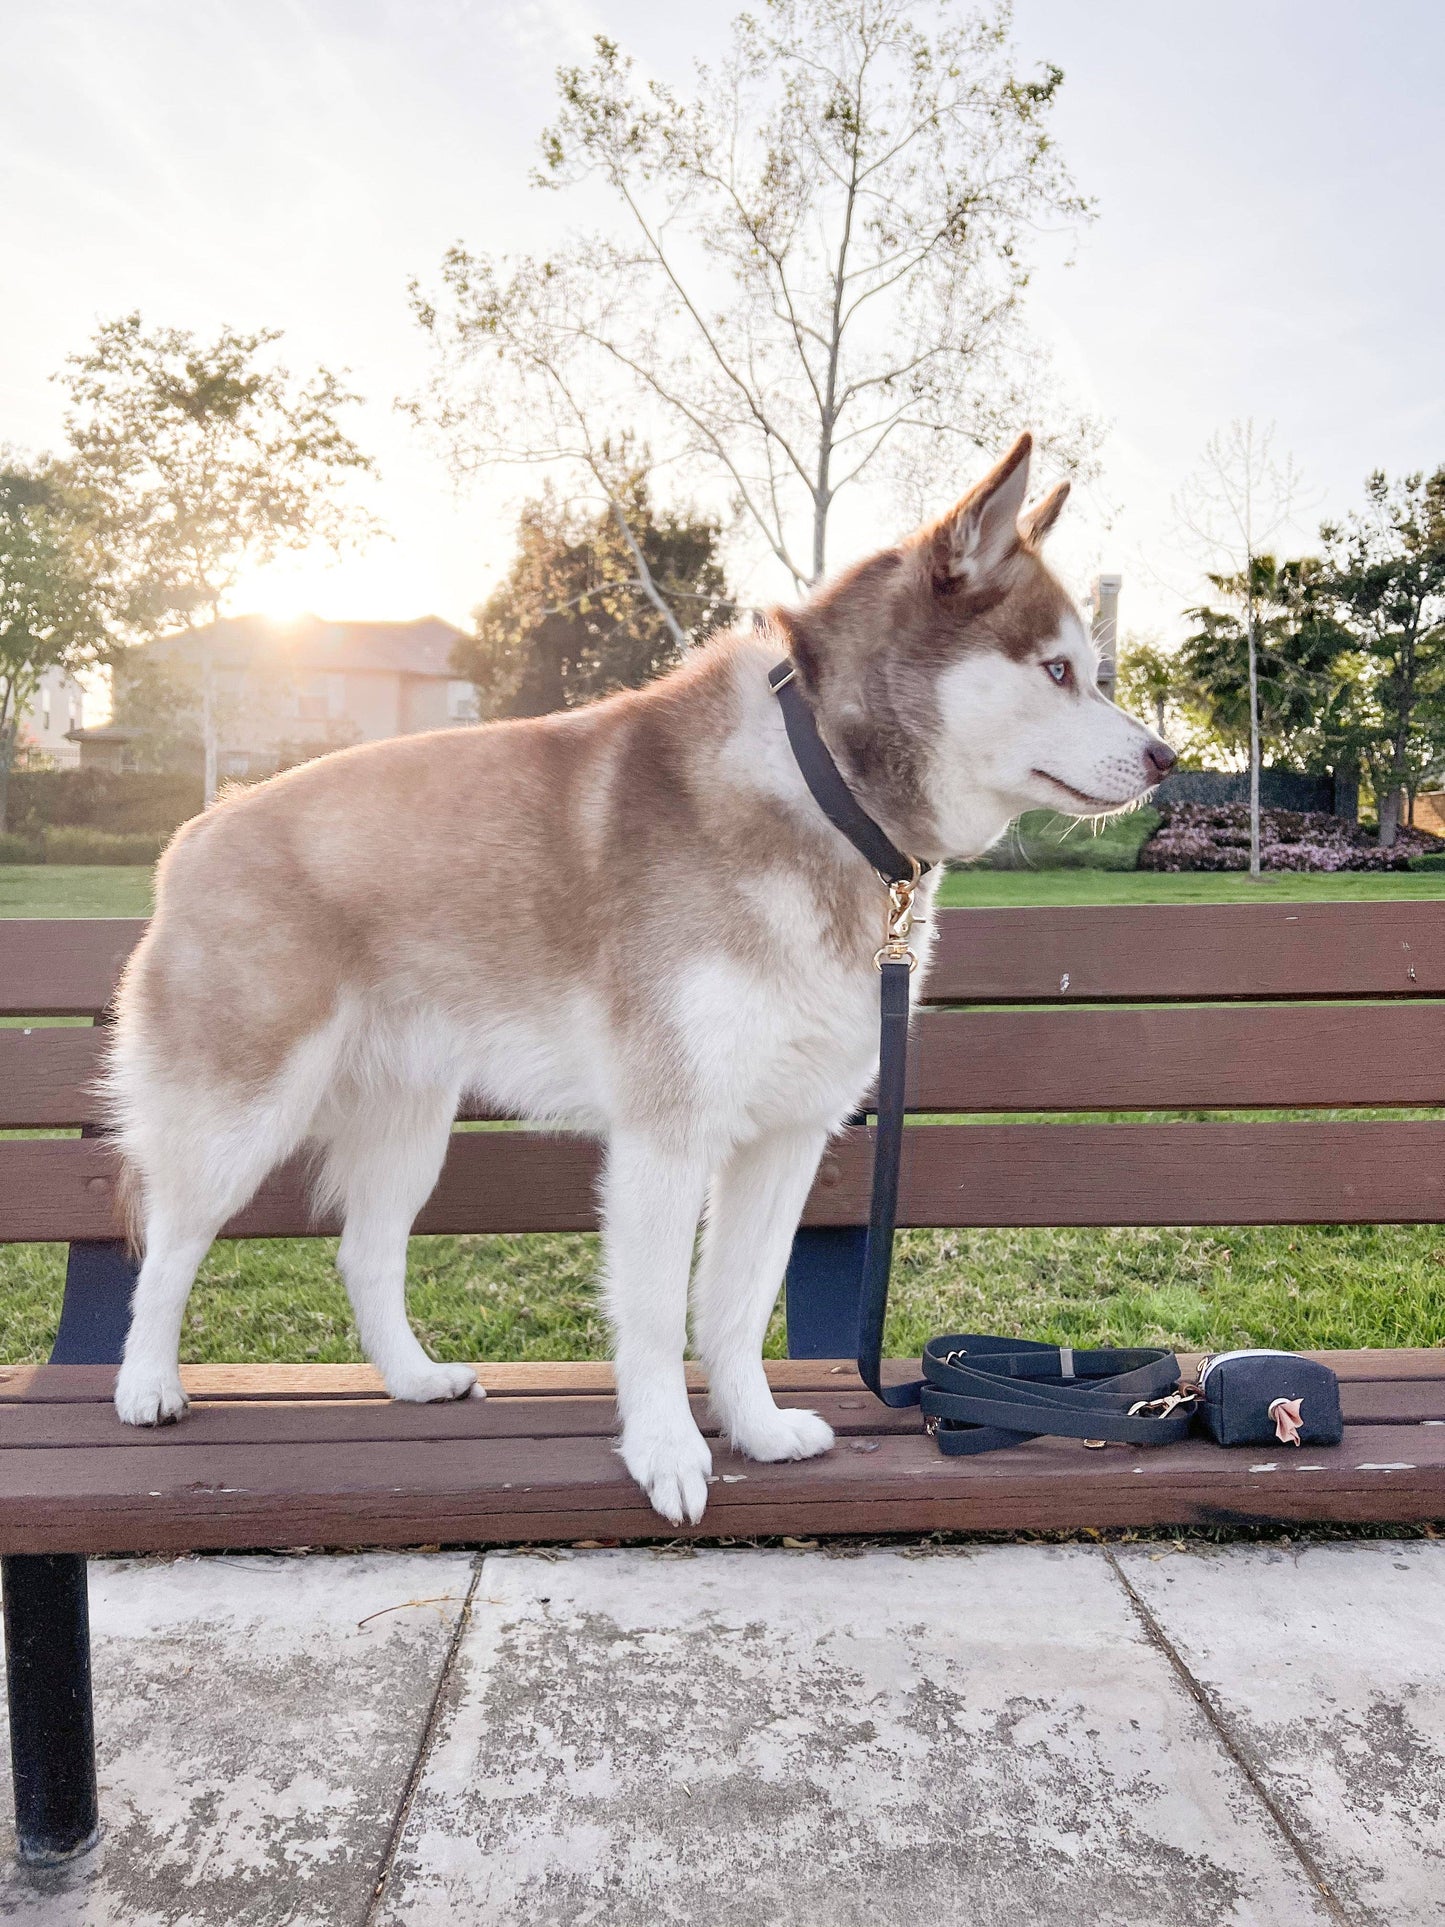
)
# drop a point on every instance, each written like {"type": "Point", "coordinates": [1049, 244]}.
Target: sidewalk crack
{"type": "Point", "coordinates": [1219, 1726]}
{"type": "Point", "coordinates": [423, 1750]}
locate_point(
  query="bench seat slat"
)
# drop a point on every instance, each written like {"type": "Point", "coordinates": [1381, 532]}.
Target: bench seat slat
{"type": "Point", "coordinates": [580, 1378]}
{"type": "Point", "coordinates": [1181, 1056]}
{"type": "Point", "coordinates": [506, 1378]}
{"type": "Point", "coordinates": [61, 1427]}
{"type": "Point", "coordinates": [1336, 1172]}
{"type": "Point", "coordinates": [95, 1499]}
{"type": "Point", "coordinates": [326, 1421]}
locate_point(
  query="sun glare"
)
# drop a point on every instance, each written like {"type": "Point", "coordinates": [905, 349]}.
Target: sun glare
{"type": "Point", "coordinates": [377, 587]}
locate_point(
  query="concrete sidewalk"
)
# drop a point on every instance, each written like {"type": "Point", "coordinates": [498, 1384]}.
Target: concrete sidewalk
{"type": "Point", "coordinates": [996, 1737]}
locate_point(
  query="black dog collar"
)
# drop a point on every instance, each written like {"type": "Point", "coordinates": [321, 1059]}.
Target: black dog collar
{"type": "Point", "coordinates": [829, 788]}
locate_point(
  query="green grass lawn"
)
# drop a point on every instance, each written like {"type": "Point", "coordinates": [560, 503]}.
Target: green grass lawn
{"type": "Point", "coordinates": [74, 890]}
{"type": "Point", "coordinates": [59, 890]}
{"type": "Point", "coordinates": [535, 1297]}
{"type": "Point", "coordinates": [1003, 889]}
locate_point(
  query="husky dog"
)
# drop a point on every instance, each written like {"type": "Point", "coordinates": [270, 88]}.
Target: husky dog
{"type": "Point", "coordinates": [631, 919]}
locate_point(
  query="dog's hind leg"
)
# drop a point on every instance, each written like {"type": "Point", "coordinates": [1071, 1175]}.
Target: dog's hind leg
{"type": "Point", "coordinates": [199, 1157]}
{"type": "Point", "coordinates": [383, 1153]}
{"type": "Point", "coordinates": [651, 1201]}
{"type": "Point", "coordinates": [754, 1205]}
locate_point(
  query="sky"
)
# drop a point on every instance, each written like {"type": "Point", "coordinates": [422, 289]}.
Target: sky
{"type": "Point", "coordinates": [1267, 241]}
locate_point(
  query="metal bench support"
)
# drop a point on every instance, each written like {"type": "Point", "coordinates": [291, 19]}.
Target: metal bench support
{"type": "Point", "coordinates": [824, 1288]}
{"type": "Point", "coordinates": [47, 1615]}
{"type": "Point", "coordinates": [52, 1727]}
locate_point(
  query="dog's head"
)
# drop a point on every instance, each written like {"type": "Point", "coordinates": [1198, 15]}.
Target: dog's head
{"type": "Point", "coordinates": [954, 679]}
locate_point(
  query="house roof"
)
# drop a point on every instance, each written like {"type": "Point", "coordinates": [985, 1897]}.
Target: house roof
{"type": "Point", "coordinates": [101, 733]}
{"type": "Point", "coordinates": [419, 648]}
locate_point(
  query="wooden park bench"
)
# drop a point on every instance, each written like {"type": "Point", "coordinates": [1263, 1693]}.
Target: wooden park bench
{"type": "Point", "coordinates": [1303, 1007]}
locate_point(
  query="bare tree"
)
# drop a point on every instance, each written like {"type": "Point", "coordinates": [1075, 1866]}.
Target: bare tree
{"type": "Point", "coordinates": [1242, 495]}
{"type": "Point", "coordinates": [815, 277]}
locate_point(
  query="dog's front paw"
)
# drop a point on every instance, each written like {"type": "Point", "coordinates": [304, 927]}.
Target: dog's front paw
{"type": "Point", "coordinates": [428, 1385]}
{"type": "Point", "coordinates": [147, 1395]}
{"type": "Point", "coordinates": [782, 1434]}
{"type": "Point", "coordinates": [673, 1469]}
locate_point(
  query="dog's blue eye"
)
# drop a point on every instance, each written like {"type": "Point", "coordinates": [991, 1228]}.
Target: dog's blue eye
{"type": "Point", "coordinates": [1058, 670]}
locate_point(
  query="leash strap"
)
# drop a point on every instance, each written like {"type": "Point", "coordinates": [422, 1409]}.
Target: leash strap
{"type": "Point", "coordinates": [977, 1393]}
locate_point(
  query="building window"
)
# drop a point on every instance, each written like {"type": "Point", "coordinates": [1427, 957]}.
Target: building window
{"type": "Point", "coordinates": [461, 702]}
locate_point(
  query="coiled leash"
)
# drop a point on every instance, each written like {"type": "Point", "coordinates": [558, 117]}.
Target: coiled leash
{"type": "Point", "coordinates": [977, 1394]}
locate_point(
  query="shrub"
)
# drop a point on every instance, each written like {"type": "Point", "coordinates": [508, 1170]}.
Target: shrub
{"type": "Point", "coordinates": [1197, 836]}
{"type": "Point", "coordinates": [76, 845]}
{"type": "Point", "coordinates": [1431, 860]}
{"type": "Point", "coordinates": [97, 799]}
{"type": "Point", "coordinates": [20, 849]}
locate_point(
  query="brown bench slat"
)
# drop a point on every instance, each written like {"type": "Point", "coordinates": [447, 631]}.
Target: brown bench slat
{"type": "Point", "coordinates": [59, 967]}
{"type": "Point", "coordinates": [507, 1378]}
{"type": "Point", "coordinates": [63, 966]}
{"type": "Point", "coordinates": [499, 1490]}
{"type": "Point", "coordinates": [1182, 1057]}
{"type": "Point", "coordinates": [278, 1382]}
{"type": "Point", "coordinates": [1146, 952]}
{"type": "Point", "coordinates": [968, 1175]}
{"type": "Point", "coordinates": [47, 1077]}
{"type": "Point", "coordinates": [363, 1421]}
{"type": "Point", "coordinates": [65, 1427]}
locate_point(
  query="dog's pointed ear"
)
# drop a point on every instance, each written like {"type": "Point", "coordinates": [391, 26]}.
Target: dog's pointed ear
{"type": "Point", "coordinates": [791, 630]}
{"type": "Point", "coordinates": [1034, 526]}
{"type": "Point", "coordinates": [982, 531]}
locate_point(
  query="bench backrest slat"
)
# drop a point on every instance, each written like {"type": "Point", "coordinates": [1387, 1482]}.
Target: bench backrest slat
{"type": "Point", "coordinates": [1190, 951]}
{"type": "Point", "coordinates": [1176, 1057]}
{"type": "Point", "coordinates": [1343, 1172]}
{"type": "Point", "coordinates": [1158, 1008]}
{"type": "Point", "coordinates": [1145, 953]}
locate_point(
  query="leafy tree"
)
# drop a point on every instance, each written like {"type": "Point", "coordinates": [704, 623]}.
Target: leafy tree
{"type": "Point", "coordinates": [1385, 583]}
{"type": "Point", "coordinates": [1300, 682]}
{"type": "Point", "coordinates": [1148, 681]}
{"type": "Point", "coordinates": [160, 704]}
{"type": "Point", "coordinates": [572, 619]}
{"type": "Point", "coordinates": [203, 458]}
{"type": "Point", "coordinates": [54, 597]}
{"type": "Point", "coordinates": [815, 280]}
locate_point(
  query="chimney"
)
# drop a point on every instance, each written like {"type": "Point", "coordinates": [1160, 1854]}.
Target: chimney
{"type": "Point", "coordinates": [1105, 628]}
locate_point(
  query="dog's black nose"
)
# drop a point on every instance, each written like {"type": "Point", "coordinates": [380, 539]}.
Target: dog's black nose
{"type": "Point", "coordinates": [1159, 759]}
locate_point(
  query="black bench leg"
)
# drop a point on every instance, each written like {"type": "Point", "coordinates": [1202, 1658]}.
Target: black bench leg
{"type": "Point", "coordinates": [824, 1290]}
{"type": "Point", "coordinates": [52, 1727]}
{"type": "Point", "coordinates": [47, 1614]}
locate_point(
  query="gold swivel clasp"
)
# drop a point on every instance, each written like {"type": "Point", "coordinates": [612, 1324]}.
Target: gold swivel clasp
{"type": "Point", "coordinates": [900, 921]}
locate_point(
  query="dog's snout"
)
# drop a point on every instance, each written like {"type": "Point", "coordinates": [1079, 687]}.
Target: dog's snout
{"type": "Point", "coordinates": [1159, 759]}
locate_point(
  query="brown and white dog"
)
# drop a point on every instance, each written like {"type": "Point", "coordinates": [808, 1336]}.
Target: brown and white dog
{"type": "Point", "coordinates": [630, 919]}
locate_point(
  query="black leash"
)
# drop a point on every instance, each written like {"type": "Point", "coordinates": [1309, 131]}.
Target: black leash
{"type": "Point", "coordinates": [977, 1393]}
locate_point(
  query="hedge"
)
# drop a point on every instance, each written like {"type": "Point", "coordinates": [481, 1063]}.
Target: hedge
{"type": "Point", "coordinates": [128, 803]}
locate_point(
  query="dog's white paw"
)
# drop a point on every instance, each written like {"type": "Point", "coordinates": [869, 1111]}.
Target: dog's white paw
{"type": "Point", "coordinates": [147, 1395]}
{"type": "Point", "coordinates": [673, 1469]}
{"type": "Point", "coordinates": [782, 1434]}
{"type": "Point", "coordinates": [434, 1382]}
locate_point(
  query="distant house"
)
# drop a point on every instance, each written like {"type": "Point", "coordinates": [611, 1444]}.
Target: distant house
{"type": "Point", "coordinates": [287, 690]}
{"type": "Point", "coordinates": [47, 723]}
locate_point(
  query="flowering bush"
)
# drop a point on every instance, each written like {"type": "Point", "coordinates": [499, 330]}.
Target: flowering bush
{"type": "Point", "coordinates": [1201, 836]}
